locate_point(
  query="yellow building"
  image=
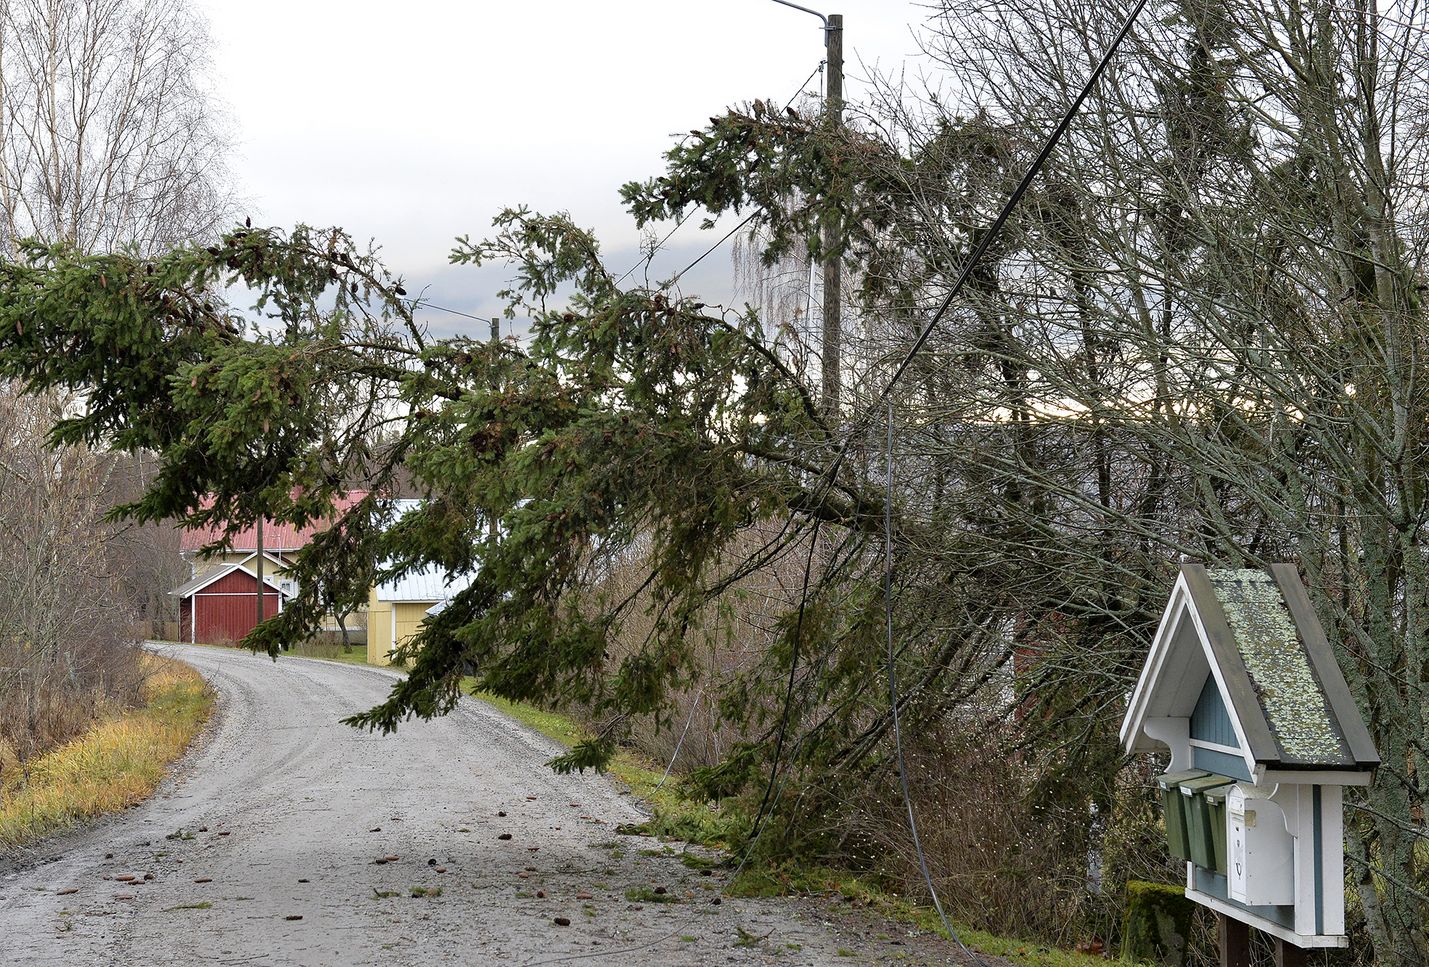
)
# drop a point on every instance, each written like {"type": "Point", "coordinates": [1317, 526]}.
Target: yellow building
{"type": "Point", "coordinates": [397, 608]}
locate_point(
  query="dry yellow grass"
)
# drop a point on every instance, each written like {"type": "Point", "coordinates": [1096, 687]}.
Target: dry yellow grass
{"type": "Point", "coordinates": [114, 765]}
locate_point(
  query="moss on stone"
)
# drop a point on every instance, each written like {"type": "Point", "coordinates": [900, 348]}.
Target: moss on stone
{"type": "Point", "coordinates": [1158, 923]}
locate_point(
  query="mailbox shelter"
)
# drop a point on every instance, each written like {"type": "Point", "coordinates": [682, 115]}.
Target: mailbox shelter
{"type": "Point", "coordinates": [1242, 688]}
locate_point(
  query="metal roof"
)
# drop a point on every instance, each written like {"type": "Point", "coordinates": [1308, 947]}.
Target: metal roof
{"type": "Point", "coordinates": [429, 584]}
{"type": "Point", "coordinates": [276, 537]}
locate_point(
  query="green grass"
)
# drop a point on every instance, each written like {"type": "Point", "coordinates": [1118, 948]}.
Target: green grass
{"type": "Point", "coordinates": [330, 652]}
{"type": "Point", "coordinates": [553, 725]}
{"type": "Point", "coordinates": [675, 815]}
{"type": "Point", "coordinates": [645, 894]}
{"type": "Point", "coordinates": [678, 817]}
{"type": "Point", "coordinates": [783, 881]}
{"type": "Point", "coordinates": [311, 649]}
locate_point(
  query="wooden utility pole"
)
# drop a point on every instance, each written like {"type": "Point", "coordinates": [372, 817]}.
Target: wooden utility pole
{"type": "Point", "coordinates": [260, 568]}
{"type": "Point", "coordinates": [833, 262]}
{"type": "Point", "coordinates": [495, 338]}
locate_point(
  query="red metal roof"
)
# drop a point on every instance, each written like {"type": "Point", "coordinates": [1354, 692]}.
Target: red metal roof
{"type": "Point", "coordinates": [276, 537]}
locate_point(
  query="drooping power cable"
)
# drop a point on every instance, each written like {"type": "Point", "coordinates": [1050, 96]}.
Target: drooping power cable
{"type": "Point", "coordinates": [829, 475]}
{"type": "Point", "coordinates": [826, 479]}
{"type": "Point", "coordinates": [893, 686]}
{"type": "Point", "coordinates": [649, 256]}
{"type": "Point", "coordinates": [989, 235]}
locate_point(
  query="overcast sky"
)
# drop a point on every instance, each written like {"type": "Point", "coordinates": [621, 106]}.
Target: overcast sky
{"type": "Point", "coordinates": [415, 122]}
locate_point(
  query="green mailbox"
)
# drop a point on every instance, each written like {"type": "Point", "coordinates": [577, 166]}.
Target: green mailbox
{"type": "Point", "coordinates": [1216, 806]}
{"type": "Point", "coordinates": [1205, 824]}
{"type": "Point", "coordinates": [1177, 814]}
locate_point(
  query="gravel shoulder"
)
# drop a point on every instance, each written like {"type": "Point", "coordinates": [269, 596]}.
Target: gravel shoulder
{"type": "Point", "coordinates": [285, 837]}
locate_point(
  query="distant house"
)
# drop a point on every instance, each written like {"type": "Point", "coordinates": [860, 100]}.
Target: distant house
{"type": "Point", "coordinates": [220, 605]}
{"type": "Point", "coordinates": [396, 609]}
{"type": "Point", "coordinates": [280, 541]}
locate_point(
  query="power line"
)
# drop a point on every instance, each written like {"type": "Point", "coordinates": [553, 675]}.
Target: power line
{"type": "Point", "coordinates": [893, 687]}
{"type": "Point", "coordinates": [659, 246]}
{"type": "Point", "coordinates": [827, 477]}
{"type": "Point", "coordinates": [422, 304]}
{"type": "Point", "coordinates": [725, 238]}
{"type": "Point", "coordinates": [645, 259]}
{"type": "Point", "coordinates": [996, 227]}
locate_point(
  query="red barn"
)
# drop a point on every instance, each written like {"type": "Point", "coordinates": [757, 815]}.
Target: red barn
{"type": "Point", "coordinates": [221, 605]}
{"type": "Point", "coordinates": [220, 602]}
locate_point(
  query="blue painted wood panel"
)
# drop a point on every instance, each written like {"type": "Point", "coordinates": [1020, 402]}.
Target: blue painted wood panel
{"type": "Point", "coordinates": [1209, 881]}
{"type": "Point", "coordinates": [1221, 763]}
{"type": "Point", "coordinates": [1210, 722]}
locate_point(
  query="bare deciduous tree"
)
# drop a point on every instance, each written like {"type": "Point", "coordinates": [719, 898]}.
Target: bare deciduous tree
{"type": "Point", "coordinates": [63, 653]}
{"type": "Point", "coordinates": [108, 139]}
{"type": "Point", "coordinates": [108, 135]}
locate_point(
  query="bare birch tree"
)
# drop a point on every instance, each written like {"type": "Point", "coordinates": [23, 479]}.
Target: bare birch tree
{"type": "Point", "coordinates": [108, 140]}
{"type": "Point", "coordinates": [108, 133]}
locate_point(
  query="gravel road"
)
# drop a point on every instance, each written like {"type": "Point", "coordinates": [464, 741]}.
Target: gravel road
{"type": "Point", "coordinates": [285, 837]}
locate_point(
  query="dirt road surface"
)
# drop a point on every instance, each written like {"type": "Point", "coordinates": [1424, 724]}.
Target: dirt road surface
{"type": "Point", "coordinates": [285, 837]}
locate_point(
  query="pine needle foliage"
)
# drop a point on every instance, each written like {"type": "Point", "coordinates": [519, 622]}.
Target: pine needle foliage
{"type": "Point", "coordinates": [633, 426]}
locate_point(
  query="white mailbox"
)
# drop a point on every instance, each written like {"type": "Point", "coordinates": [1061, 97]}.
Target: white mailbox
{"type": "Point", "coordinates": [1242, 687]}
{"type": "Point", "coordinates": [1261, 864]}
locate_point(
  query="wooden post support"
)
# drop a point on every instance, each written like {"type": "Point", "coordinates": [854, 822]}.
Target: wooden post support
{"type": "Point", "coordinates": [1235, 942]}
{"type": "Point", "coordinates": [1289, 955]}
{"type": "Point", "coordinates": [260, 568]}
{"type": "Point", "coordinates": [831, 346]}
{"type": "Point", "coordinates": [495, 339]}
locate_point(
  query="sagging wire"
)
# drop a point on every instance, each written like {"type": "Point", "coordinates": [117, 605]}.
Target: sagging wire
{"type": "Point", "coordinates": [788, 694]}
{"type": "Point", "coordinates": [694, 707]}
{"type": "Point", "coordinates": [893, 689]}
{"type": "Point", "coordinates": [826, 479]}
{"type": "Point", "coordinates": [424, 304]}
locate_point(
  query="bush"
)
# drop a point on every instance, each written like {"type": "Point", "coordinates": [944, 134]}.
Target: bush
{"type": "Point", "coordinates": [65, 652]}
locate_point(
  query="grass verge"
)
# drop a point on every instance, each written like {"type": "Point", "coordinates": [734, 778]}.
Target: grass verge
{"type": "Point", "coordinates": [115, 764]}
{"type": "Point", "coordinates": [677, 816]}
{"type": "Point", "coordinates": [782, 881]}
{"type": "Point", "coordinates": [327, 651]}
{"type": "Point", "coordinates": [674, 814]}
